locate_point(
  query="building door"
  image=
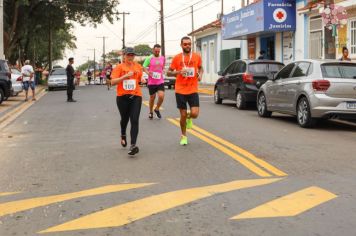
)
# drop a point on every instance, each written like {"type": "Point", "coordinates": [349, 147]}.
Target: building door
{"type": "Point", "coordinates": [268, 45]}
{"type": "Point", "coordinates": [212, 71]}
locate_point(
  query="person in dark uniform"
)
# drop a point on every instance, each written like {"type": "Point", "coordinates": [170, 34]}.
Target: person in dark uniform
{"type": "Point", "coordinates": [70, 80]}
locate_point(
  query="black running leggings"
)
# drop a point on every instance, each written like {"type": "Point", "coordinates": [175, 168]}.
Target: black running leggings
{"type": "Point", "coordinates": [129, 107]}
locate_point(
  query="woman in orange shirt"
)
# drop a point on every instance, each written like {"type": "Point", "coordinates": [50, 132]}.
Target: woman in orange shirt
{"type": "Point", "coordinates": [127, 76]}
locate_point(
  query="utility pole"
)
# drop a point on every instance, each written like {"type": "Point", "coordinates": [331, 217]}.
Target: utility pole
{"type": "Point", "coordinates": [94, 64]}
{"type": "Point", "coordinates": [163, 51]}
{"type": "Point", "coordinates": [156, 32]}
{"type": "Point", "coordinates": [222, 9]}
{"type": "Point", "coordinates": [104, 37]}
{"type": "Point", "coordinates": [2, 55]}
{"type": "Point", "coordinates": [123, 27]}
{"type": "Point", "coordinates": [192, 7]}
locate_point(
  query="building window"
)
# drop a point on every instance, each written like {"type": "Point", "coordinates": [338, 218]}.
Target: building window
{"type": "Point", "coordinates": [316, 38]}
{"type": "Point", "coordinates": [352, 26]}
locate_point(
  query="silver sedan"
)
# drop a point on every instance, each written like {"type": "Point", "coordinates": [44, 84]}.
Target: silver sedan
{"type": "Point", "coordinates": [311, 90]}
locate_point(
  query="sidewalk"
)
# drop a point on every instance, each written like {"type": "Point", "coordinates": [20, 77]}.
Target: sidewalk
{"type": "Point", "coordinates": [9, 107]}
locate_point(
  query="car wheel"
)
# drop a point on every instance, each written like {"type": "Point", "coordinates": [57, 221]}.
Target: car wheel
{"type": "Point", "coordinates": [240, 101]}
{"type": "Point", "coordinates": [262, 106]}
{"type": "Point", "coordinates": [303, 114]}
{"type": "Point", "coordinates": [1, 95]}
{"type": "Point", "coordinates": [217, 98]}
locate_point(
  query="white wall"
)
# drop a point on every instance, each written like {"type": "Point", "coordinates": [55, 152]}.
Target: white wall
{"type": "Point", "coordinates": [278, 47]}
{"type": "Point", "coordinates": [300, 37]}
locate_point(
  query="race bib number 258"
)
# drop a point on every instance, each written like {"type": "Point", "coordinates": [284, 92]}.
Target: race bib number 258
{"type": "Point", "coordinates": [129, 84]}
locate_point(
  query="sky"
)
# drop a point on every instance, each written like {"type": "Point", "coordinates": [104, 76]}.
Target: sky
{"type": "Point", "coordinates": [140, 26]}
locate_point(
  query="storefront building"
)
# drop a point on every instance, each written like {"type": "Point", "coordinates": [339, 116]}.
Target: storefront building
{"type": "Point", "coordinates": [265, 25]}
{"type": "Point", "coordinates": [216, 53]}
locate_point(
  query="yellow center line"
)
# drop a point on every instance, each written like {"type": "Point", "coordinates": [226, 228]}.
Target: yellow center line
{"type": "Point", "coordinates": [146, 103]}
{"type": "Point", "coordinates": [290, 205]}
{"type": "Point", "coordinates": [138, 209]}
{"type": "Point", "coordinates": [248, 164]}
{"type": "Point", "coordinates": [8, 193]}
{"type": "Point", "coordinates": [243, 152]}
{"type": "Point", "coordinates": [21, 205]}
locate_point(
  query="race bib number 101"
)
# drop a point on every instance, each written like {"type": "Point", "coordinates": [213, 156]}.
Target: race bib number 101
{"type": "Point", "coordinates": [129, 84]}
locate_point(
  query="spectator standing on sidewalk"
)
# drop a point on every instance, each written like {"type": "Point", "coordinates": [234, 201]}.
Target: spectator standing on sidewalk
{"type": "Point", "coordinates": [28, 79]}
{"type": "Point", "coordinates": [77, 77]}
{"type": "Point", "coordinates": [70, 80]}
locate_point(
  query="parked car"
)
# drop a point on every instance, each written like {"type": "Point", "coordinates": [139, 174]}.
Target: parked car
{"type": "Point", "coordinates": [311, 90]}
{"type": "Point", "coordinates": [5, 81]}
{"type": "Point", "coordinates": [16, 80]}
{"type": "Point", "coordinates": [169, 81]}
{"type": "Point", "coordinates": [57, 79]}
{"type": "Point", "coordinates": [241, 80]}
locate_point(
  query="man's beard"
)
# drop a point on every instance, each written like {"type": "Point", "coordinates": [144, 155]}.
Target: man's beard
{"type": "Point", "coordinates": [187, 50]}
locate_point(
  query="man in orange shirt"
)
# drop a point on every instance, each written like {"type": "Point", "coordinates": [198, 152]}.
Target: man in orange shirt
{"type": "Point", "coordinates": [187, 67]}
{"type": "Point", "coordinates": [129, 96]}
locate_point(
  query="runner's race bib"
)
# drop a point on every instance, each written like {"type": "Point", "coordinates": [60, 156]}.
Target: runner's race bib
{"type": "Point", "coordinates": [129, 84]}
{"type": "Point", "coordinates": [156, 75]}
{"type": "Point", "coordinates": [190, 72]}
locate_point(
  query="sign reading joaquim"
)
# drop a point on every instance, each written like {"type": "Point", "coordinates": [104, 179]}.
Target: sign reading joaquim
{"type": "Point", "coordinates": [258, 18]}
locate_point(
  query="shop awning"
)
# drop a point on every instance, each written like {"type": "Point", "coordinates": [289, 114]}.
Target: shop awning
{"type": "Point", "coordinates": [262, 17]}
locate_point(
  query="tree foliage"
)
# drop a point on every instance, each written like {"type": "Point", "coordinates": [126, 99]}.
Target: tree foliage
{"type": "Point", "coordinates": [27, 24]}
{"type": "Point", "coordinates": [143, 50]}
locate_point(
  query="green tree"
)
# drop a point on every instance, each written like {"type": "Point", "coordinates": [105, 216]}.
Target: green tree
{"type": "Point", "coordinates": [143, 50]}
{"type": "Point", "coordinates": [27, 23]}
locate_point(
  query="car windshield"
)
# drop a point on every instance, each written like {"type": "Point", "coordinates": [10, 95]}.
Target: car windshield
{"type": "Point", "coordinates": [15, 71]}
{"type": "Point", "coordinates": [263, 68]}
{"type": "Point", "coordinates": [339, 70]}
{"type": "Point", "coordinates": [61, 71]}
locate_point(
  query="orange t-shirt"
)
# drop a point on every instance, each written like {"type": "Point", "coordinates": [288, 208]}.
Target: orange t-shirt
{"type": "Point", "coordinates": [188, 84]}
{"type": "Point", "coordinates": [129, 85]}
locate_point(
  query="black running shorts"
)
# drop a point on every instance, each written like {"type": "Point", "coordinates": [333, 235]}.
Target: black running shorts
{"type": "Point", "coordinates": [155, 88]}
{"type": "Point", "coordinates": [183, 99]}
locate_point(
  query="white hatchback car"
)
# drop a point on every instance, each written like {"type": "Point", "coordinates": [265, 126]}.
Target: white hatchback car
{"type": "Point", "coordinates": [311, 90]}
{"type": "Point", "coordinates": [16, 80]}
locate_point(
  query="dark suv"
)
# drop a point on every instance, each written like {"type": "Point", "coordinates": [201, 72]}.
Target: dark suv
{"type": "Point", "coordinates": [5, 81]}
{"type": "Point", "coordinates": [241, 80]}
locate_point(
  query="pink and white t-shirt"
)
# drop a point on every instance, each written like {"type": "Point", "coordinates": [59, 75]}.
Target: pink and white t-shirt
{"type": "Point", "coordinates": [156, 66]}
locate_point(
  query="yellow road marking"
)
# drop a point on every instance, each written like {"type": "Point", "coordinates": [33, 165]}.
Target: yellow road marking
{"type": "Point", "coordinates": [206, 91]}
{"type": "Point", "coordinates": [146, 103]}
{"type": "Point", "coordinates": [135, 210]}
{"type": "Point", "coordinates": [12, 115]}
{"type": "Point", "coordinates": [21, 205]}
{"type": "Point", "coordinates": [8, 193]}
{"type": "Point", "coordinates": [248, 164]}
{"type": "Point", "coordinates": [243, 152]}
{"type": "Point", "coordinates": [289, 205]}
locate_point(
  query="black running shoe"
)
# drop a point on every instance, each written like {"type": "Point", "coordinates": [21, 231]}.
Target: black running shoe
{"type": "Point", "coordinates": [150, 115]}
{"type": "Point", "coordinates": [158, 114]}
{"type": "Point", "coordinates": [133, 150]}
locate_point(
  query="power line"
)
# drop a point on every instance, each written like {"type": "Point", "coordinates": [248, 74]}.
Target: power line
{"type": "Point", "coordinates": [151, 5]}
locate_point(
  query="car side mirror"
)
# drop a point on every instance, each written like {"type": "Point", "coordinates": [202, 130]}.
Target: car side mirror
{"type": "Point", "coordinates": [272, 75]}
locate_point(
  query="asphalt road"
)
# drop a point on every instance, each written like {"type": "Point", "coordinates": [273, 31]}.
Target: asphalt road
{"type": "Point", "coordinates": [63, 172]}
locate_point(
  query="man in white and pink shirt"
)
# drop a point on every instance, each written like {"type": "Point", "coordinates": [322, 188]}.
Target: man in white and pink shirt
{"type": "Point", "coordinates": [154, 66]}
